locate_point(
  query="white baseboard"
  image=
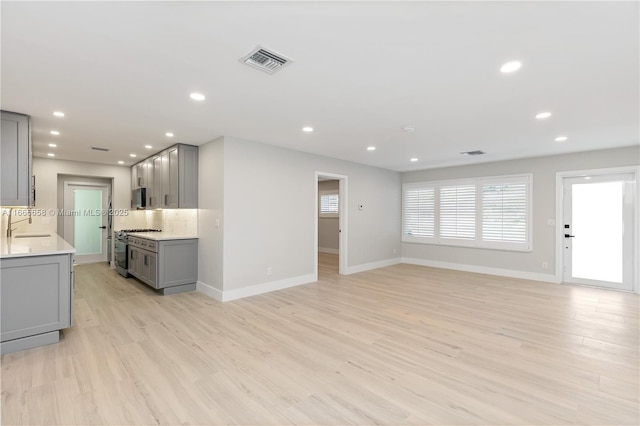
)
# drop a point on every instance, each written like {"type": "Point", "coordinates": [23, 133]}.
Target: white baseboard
{"type": "Point", "coordinates": [372, 265]}
{"type": "Point", "coordinates": [534, 276]}
{"type": "Point", "coordinates": [328, 250]}
{"type": "Point", "coordinates": [208, 290]}
{"type": "Point", "coordinates": [253, 290]}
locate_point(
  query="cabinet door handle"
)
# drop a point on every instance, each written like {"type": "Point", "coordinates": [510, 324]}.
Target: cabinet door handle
{"type": "Point", "coordinates": [166, 197]}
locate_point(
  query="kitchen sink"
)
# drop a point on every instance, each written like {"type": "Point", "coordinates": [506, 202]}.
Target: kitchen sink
{"type": "Point", "coordinates": [31, 235]}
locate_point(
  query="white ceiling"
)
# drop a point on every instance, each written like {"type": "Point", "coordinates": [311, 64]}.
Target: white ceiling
{"type": "Point", "coordinates": [122, 72]}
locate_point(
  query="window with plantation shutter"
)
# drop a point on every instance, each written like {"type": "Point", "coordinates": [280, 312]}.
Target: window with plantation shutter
{"type": "Point", "coordinates": [458, 212]}
{"type": "Point", "coordinates": [328, 204]}
{"type": "Point", "coordinates": [419, 212]}
{"type": "Point", "coordinates": [504, 212]}
{"type": "Point", "coordinates": [492, 212]}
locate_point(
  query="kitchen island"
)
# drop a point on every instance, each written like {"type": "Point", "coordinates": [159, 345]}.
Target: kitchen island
{"type": "Point", "coordinates": [36, 290]}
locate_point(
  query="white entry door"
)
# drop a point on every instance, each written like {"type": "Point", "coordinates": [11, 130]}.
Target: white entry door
{"type": "Point", "coordinates": [598, 230]}
{"type": "Point", "coordinates": [85, 221]}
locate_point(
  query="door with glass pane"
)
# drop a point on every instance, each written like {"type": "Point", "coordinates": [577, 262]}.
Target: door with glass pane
{"type": "Point", "coordinates": [85, 221]}
{"type": "Point", "coordinates": [598, 230]}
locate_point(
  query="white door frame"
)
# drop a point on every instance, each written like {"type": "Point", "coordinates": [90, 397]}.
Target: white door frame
{"type": "Point", "coordinates": [560, 176]}
{"type": "Point", "coordinates": [68, 220]}
{"type": "Point", "coordinates": [342, 222]}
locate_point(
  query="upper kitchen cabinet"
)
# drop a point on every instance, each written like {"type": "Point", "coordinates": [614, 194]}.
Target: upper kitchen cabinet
{"type": "Point", "coordinates": [170, 178]}
{"type": "Point", "coordinates": [16, 159]}
{"type": "Point", "coordinates": [140, 174]}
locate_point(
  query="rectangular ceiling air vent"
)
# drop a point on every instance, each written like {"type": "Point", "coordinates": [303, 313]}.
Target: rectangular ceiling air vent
{"type": "Point", "coordinates": [265, 60]}
{"type": "Point", "coordinates": [96, 148]}
{"type": "Point", "coordinates": [476, 152]}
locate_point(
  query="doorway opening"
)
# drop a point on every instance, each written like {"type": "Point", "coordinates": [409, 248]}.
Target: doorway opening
{"type": "Point", "coordinates": [85, 217]}
{"type": "Point", "coordinates": [330, 243]}
{"type": "Point", "coordinates": [598, 228]}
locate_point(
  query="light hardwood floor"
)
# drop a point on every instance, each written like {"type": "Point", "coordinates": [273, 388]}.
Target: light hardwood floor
{"type": "Point", "coordinates": [398, 345]}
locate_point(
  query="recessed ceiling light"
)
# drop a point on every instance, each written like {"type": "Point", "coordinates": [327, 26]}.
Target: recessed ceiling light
{"type": "Point", "coordinates": [169, 134]}
{"type": "Point", "coordinates": [148, 146]}
{"type": "Point", "coordinates": [197, 96]}
{"type": "Point", "coordinates": [543, 115]}
{"type": "Point", "coordinates": [58, 113]}
{"type": "Point", "coordinates": [55, 132]}
{"type": "Point", "coordinates": [561, 139]}
{"type": "Point", "coordinates": [307, 129]}
{"type": "Point", "coordinates": [52, 145]}
{"type": "Point", "coordinates": [132, 155]}
{"type": "Point", "coordinates": [510, 66]}
{"type": "Point", "coordinates": [371, 148]}
{"type": "Point", "coordinates": [120, 162]}
{"type": "Point", "coordinates": [409, 129]}
{"type": "Point", "coordinates": [413, 160]}
{"type": "Point", "coordinates": [51, 154]}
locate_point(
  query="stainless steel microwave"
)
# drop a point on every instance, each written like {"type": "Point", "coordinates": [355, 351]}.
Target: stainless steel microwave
{"type": "Point", "coordinates": [139, 198]}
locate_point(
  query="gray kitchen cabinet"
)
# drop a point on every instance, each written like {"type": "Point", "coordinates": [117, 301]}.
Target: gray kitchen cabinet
{"type": "Point", "coordinates": [155, 189]}
{"type": "Point", "coordinates": [135, 266]}
{"type": "Point", "coordinates": [170, 266]}
{"type": "Point", "coordinates": [139, 175]}
{"type": "Point", "coordinates": [15, 157]}
{"type": "Point", "coordinates": [171, 177]}
{"type": "Point", "coordinates": [36, 294]}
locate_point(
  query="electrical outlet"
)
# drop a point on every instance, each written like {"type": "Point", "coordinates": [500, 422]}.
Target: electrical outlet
{"type": "Point", "coordinates": [269, 270]}
{"type": "Point", "coordinates": [545, 265]}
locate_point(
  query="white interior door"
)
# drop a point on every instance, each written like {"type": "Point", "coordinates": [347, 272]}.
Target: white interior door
{"type": "Point", "coordinates": [85, 222]}
{"type": "Point", "coordinates": [598, 230]}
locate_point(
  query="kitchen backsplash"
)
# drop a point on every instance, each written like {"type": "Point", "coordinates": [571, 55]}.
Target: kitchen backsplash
{"type": "Point", "coordinates": [174, 221]}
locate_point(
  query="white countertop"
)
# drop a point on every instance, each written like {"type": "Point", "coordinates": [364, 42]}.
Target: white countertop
{"type": "Point", "coordinates": [161, 236]}
{"type": "Point", "coordinates": [34, 246]}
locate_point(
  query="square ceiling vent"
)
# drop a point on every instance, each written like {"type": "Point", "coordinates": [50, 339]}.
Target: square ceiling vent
{"type": "Point", "coordinates": [265, 60]}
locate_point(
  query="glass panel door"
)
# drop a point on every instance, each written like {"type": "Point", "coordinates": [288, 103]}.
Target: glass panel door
{"type": "Point", "coordinates": [85, 221]}
{"type": "Point", "coordinates": [87, 232]}
{"type": "Point", "coordinates": [598, 231]}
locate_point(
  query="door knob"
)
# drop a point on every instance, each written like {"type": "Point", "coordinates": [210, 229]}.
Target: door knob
{"type": "Point", "coordinates": [569, 236]}
{"type": "Point", "coordinates": [102, 227]}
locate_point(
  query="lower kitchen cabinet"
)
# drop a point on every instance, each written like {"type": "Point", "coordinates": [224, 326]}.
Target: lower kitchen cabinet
{"type": "Point", "coordinates": [36, 294]}
{"type": "Point", "coordinates": [170, 266]}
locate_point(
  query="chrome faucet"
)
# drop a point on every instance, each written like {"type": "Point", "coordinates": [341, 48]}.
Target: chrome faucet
{"type": "Point", "coordinates": [9, 228]}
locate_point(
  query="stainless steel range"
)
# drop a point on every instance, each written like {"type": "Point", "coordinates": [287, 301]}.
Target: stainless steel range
{"type": "Point", "coordinates": [122, 249]}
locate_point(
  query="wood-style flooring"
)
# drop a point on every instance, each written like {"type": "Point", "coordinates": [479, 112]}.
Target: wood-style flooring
{"type": "Point", "coordinates": [398, 345]}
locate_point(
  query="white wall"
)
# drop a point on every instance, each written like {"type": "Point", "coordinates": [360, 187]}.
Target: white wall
{"type": "Point", "coordinates": [328, 227]}
{"type": "Point", "coordinates": [269, 215]}
{"type": "Point", "coordinates": [543, 202]}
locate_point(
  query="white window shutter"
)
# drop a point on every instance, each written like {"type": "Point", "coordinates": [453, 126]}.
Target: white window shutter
{"type": "Point", "coordinates": [458, 211]}
{"type": "Point", "coordinates": [419, 212]}
{"type": "Point", "coordinates": [329, 204]}
{"type": "Point", "coordinates": [504, 212]}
